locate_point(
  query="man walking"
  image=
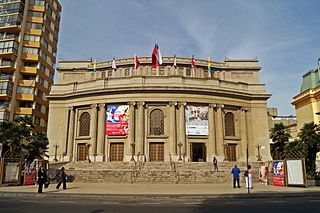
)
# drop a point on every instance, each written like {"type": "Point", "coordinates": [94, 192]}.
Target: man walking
{"type": "Point", "coordinates": [236, 176]}
{"type": "Point", "coordinates": [62, 179]}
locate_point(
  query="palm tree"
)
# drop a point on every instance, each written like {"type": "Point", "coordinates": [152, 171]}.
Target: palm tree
{"type": "Point", "coordinates": [280, 135]}
{"type": "Point", "coordinates": [310, 136]}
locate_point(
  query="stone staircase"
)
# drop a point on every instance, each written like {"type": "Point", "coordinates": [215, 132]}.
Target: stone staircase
{"type": "Point", "coordinates": [155, 172]}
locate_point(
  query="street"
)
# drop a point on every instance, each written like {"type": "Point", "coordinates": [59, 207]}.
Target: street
{"type": "Point", "coordinates": [176, 205]}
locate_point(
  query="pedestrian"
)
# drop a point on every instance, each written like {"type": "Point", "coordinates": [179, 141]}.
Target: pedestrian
{"type": "Point", "coordinates": [215, 164]}
{"type": "Point", "coordinates": [42, 177]}
{"type": "Point", "coordinates": [248, 177]}
{"type": "Point", "coordinates": [62, 179]}
{"type": "Point", "coordinates": [236, 176]}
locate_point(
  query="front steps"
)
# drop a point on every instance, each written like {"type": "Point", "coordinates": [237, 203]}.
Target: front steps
{"type": "Point", "coordinates": [155, 172]}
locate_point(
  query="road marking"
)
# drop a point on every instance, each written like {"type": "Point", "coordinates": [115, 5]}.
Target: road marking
{"type": "Point", "coordinates": [194, 203]}
{"type": "Point", "coordinates": [314, 200]}
{"type": "Point", "coordinates": [153, 203]}
{"type": "Point", "coordinates": [110, 203]}
{"type": "Point", "coordinates": [29, 201]}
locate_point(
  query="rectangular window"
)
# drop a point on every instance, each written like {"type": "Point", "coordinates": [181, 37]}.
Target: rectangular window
{"type": "Point", "coordinates": [35, 14]}
{"type": "Point", "coordinates": [8, 46]}
{"type": "Point", "coordinates": [31, 25]}
{"type": "Point", "coordinates": [36, 2]}
{"type": "Point", "coordinates": [41, 81]}
{"type": "Point", "coordinates": [6, 88]}
{"type": "Point", "coordinates": [25, 90]}
{"type": "Point", "coordinates": [30, 64]}
{"type": "Point", "coordinates": [30, 50]}
{"type": "Point", "coordinates": [4, 116]}
{"type": "Point", "coordinates": [28, 37]}
{"type": "Point", "coordinates": [36, 120]}
{"type": "Point", "coordinates": [42, 68]}
{"type": "Point", "coordinates": [26, 104]}
{"type": "Point", "coordinates": [10, 20]}
{"type": "Point", "coordinates": [38, 107]}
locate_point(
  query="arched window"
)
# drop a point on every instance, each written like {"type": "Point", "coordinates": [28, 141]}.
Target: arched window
{"type": "Point", "coordinates": [84, 124]}
{"type": "Point", "coordinates": [229, 124]}
{"type": "Point", "coordinates": [156, 122]}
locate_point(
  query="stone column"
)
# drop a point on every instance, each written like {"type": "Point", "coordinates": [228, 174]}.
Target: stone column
{"type": "Point", "coordinates": [140, 128]}
{"type": "Point", "coordinates": [101, 132]}
{"type": "Point", "coordinates": [71, 133]}
{"type": "Point", "coordinates": [93, 132]}
{"type": "Point", "coordinates": [211, 134]}
{"type": "Point", "coordinates": [244, 136]}
{"type": "Point", "coordinates": [250, 140]}
{"type": "Point", "coordinates": [219, 131]}
{"type": "Point", "coordinates": [172, 130]}
{"type": "Point", "coordinates": [131, 135]}
{"type": "Point", "coordinates": [182, 128]}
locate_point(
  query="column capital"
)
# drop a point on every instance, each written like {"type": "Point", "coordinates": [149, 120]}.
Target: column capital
{"type": "Point", "coordinates": [94, 105]}
{"type": "Point", "coordinates": [212, 105]}
{"type": "Point", "coordinates": [101, 105]}
{"type": "Point", "coordinates": [182, 104]}
{"type": "Point", "coordinates": [70, 108]}
{"type": "Point", "coordinates": [221, 106]}
{"type": "Point", "coordinates": [173, 103]}
{"type": "Point", "coordinates": [245, 109]}
{"type": "Point", "coordinates": [132, 103]}
{"type": "Point", "coordinates": [140, 103]}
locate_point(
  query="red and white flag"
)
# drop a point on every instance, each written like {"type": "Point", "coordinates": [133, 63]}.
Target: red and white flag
{"type": "Point", "coordinates": [136, 62]}
{"type": "Point", "coordinates": [156, 56]}
{"type": "Point", "coordinates": [193, 62]}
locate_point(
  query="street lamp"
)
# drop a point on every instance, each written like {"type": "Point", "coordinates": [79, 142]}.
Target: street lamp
{"type": "Point", "coordinates": [56, 146]}
{"type": "Point", "coordinates": [180, 146]}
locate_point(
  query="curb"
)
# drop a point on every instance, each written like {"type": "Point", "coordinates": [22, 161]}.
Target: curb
{"type": "Point", "coordinates": [173, 197]}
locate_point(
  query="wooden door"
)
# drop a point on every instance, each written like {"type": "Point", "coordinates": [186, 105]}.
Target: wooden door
{"type": "Point", "coordinates": [156, 151]}
{"type": "Point", "coordinates": [82, 152]}
{"type": "Point", "coordinates": [116, 151]}
{"type": "Point", "coordinates": [232, 152]}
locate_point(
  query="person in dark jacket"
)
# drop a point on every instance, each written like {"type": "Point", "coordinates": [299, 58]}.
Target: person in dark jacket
{"type": "Point", "coordinates": [62, 179]}
{"type": "Point", "coordinates": [42, 177]}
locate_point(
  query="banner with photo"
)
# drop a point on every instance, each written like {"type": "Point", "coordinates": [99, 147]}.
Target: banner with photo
{"type": "Point", "coordinates": [196, 120]}
{"type": "Point", "coordinates": [117, 120]}
{"type": "Point", "coordinates": [30, 174]}
{"type": "Point", "coordinates": [278, 173]}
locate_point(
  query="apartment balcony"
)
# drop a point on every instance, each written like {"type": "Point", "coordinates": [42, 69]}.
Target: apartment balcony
{"type": "Point", "coordinates": [8, 37]}
{"type": "Point", "coordinates": [5, 77]}
{"type": "Point", "coordinates": [23, 110]}
{"type": "Point", "coordinates": [6, 87]}
{"type": "Point", "coordinates": [29, 70]}
{"type": "Point", "coordinates": [30, 57]}
{"type": "Point", "coordinates": [27, 83]}
{"type": "Point", "coordinates": [7, 66]}
{"type": "Point", "coordinates": [4, 105]}
{"type": "Point", "coordinates": [8, 53]}
{"type": "Point", "coordinates": [25, 97]}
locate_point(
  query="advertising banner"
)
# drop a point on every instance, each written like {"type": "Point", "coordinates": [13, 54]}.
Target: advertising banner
{"type": "Point", "coordinates": [12, 170]}
{"type": "Point", "coordinates": [278, 173]}
{"type": "Point", "coordinates": [30, 175]}
{"type": "Point", "coordinates": [117, 120]}
{"type": "Point", "coordinates": [196, 120]}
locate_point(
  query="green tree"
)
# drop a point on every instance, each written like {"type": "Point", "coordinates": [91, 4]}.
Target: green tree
{"type": "Point", "coordinates": [21, 141]}
{"type": "Point", "coordinates": [310, 136]}
{"type": "Point", "coordinates": [280, 135]}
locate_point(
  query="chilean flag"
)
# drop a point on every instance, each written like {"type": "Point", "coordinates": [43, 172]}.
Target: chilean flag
{"type": "Point", "coordinates": [156, 56]}
{"type": "Point", "coordinates": [193, 62]}
{"type": "Point", "coordinates": [136, 61]}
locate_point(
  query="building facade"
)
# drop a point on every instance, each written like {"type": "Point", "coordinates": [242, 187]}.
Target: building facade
{"type": "Point", "coordinates": [169, 113]}
{"type": "Point", "coordinates": [28, 46]}
{"type": "Point", "coordinates": [307, 102]}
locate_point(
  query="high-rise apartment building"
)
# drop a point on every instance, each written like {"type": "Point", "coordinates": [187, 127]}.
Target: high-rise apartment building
{"type": "Point", "coordinates": [28, 46]}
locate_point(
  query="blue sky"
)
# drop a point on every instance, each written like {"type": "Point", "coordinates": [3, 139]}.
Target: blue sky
{"type": "Point", "coordinates": [283, 34]}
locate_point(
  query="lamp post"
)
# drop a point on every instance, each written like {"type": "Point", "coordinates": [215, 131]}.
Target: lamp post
{"type": "Point", "coordinates": [56, 146]}
{"type": "Point", "coordinates": [180, 146]}
{"type": "Point", "coordinates": [132, 151]}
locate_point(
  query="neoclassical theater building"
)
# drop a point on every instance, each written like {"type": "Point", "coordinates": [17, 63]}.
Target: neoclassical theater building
{"type": "Point", "coordinates": [171, 113]}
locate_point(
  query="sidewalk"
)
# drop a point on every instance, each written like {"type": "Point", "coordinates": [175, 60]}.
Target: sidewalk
{"type": "Point", "coordinates": [104, 190]}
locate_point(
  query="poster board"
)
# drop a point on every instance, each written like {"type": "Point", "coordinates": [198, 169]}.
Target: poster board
{"type": "Point", "coordinates": [11, 171]}
{"type": "Point", "coordinates": [196, 120]}
{"type": "Point", "coordinates": [117, 120]}
{"type": "Point", "coordinates": [295, 172]}
{"type": "Point", "coordinates": [278, 178]}
{"type": "Point", "coordinates": [30, 173]}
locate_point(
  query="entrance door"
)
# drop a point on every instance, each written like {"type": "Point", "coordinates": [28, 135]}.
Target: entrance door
{"type": "Point", "coordinates": [232, 152]}
{"type": "Point", "coordinates": [198, 152]}
{"type": "Point", "coordinates": [156, 151]}
{"type": "Point", "coordinates": [82, 152]}
{"type": "Point", "coordinates": [116, 151]}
